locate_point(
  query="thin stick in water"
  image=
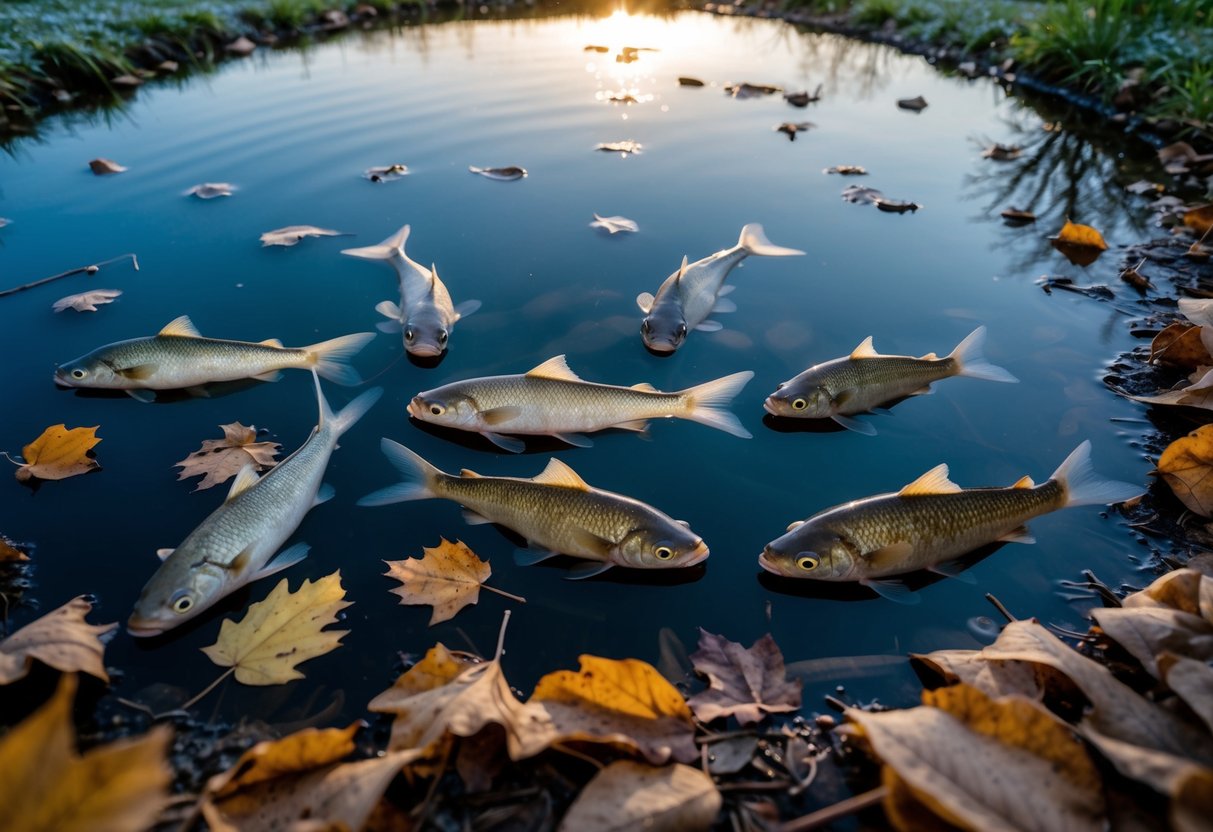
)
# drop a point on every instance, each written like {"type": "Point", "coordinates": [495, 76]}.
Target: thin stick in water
{"type": "Point", "coordinates": [93, 269]}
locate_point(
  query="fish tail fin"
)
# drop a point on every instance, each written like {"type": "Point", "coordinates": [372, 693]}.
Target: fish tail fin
{"type": "Point", "coordinates": [331, 358]}
{"type": "Point", "coordinates": [349, 415]}
{"type": "Point", "coordinates": [754, 240]}
{"type": "Point", "coordinates": [417, 477]}
{"type": "Point", "coordinates": [1084, 487]}
{"type": "Point", "coordinates": [708, 403]}
{"type": "Point", "coordinates": [389, 248]}
{"type": "Point", "coordinates": [971, 361]}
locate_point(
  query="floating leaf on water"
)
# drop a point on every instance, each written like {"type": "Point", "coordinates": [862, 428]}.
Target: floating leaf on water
{"type": "Point", "coordinates": [1180, 345]}
{"type": "Point", "coordinates": [59, 453]}
{"type": "Point", "coordinates": [792, 128]}
{"type": "Point", "coordinates": [614, 224]}
{"type": "Point", "coordinates": [86, 301]}
{"type": "Point", "coordinates": [168, 66]}
{"type": "Point", "coordinates": [895, 206]}
{"type": "Point", "coordinates": [1180, 157]}
{"type": "Point", "coordinates": [747, 90]}
{"type": "Point", "coordinates": [1142, 186]}
{"type": "Point", "coordinates": [916, 104]}
{"type": "Point", "coordinates": [61, 639]}
{"type": "Point", "coordinates": [747, 683]}
{"type": "Point", "coordinates": [620, 97]}
{"type": "Point", "coordinates": [292, 234]}
{"type": "Point", "coordinates": [101, 167]}
{"type": "Point", "coordinates": [625, 147]}
{"type": "Point", "coordinates": [847, 170]}
{"type": "Point", "coordinates": [218, 460]}
{"type": "Point", "coordinates": [1135, 278]}
{"type": "Point", "coordinates": [595, 48]}
{"type": "Point", "coordinates": [802, 98]}
{"type": "Point", "coordinates": [630, 795]}
{"type": "Point", "coordinates": [240, 46]}
{"type": "Point", "coordinates": [126, 80]}
{"type": "Point", "coordinates": [210, 190]}
{"type": "Point", "coordinates": [506, 174]}
{"type": "Point", "coordinates": [860, 194]}
{"type": "Point", "coordinates": [1002, 152]}
{"type": "Point", "coordinates": [1187, 467]}
{"type": "Point", "coordinates": [1081, 244]}
{"type": "Point", "coordinates": [686, 81]}
{"type": "Point", "coordinates": [387, 173]}
{"type": "Point", "coordinates": [447, 577]}
{"type": "Point", "coordinates": [1199, 218]}
{"type": "Point", "coordinates": [1015, 216]}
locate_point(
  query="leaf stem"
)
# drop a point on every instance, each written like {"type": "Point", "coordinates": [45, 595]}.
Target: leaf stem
{"type": "Point", "coordinates": [999, 606]}
{"type": "Point", "coordinates": [564, 749]}
{"type": "Point", "coordinates": [839, 810]}
{"type": "Point", "coordinates": [510, 595]}
{"type": "Point", "coordinates": [505, 621]}
{"type": "Point", "coordinates": [92, 269]}
{"type": "Point", "coordinates": [208, 689]}
{"type": "Point", "coordinates": [10, 459]}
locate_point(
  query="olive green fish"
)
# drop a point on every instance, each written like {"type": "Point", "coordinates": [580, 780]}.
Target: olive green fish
{"type": "Point", "coordinates": [552, 400]}
{"type": "Point", "coordinates": [865, 379]}
{"type": "Point", "coordinates": [179, 357]}
{"type": "Point", "coordinates": [928, 524]}
{"type": "Point", "coordinates": [557, 512]}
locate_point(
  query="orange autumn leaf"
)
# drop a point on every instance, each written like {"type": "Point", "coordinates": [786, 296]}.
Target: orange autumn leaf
{"type": "Point", "coordinates": [59, 453]}
{"type": "Point", "coordinates": [448, 576]}
{"type": "Point", "coordinates": [1199, 218]}
{"type": "Point", "coordinates": [1187, 466]}
{"type": "Point", "coordinates": [1081, 244]}
{"type": "Point", "coordinates": [1180, 345]}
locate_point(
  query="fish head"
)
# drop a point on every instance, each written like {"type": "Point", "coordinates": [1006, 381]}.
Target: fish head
{"type": "Point", "coordinates": [800, 401]}
{"type": "Point", "coordinates": [426, 332]}
{"type": "Point", "coordinates": [445, 406]}
{"type": "Point", "coordinates": [811, 551]}
{"type": "Point", "coordinates": [90, 370]}
{"type": "Point", "coordinates": [173, 596]}
{"type": "Point", "coordinates": [664, 328]}
{"type": "Point", "coordinates": [662, 545]}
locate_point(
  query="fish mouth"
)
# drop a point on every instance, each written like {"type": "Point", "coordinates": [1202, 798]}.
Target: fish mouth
{"type": "Point", "coordinates": [425, 350]}
{"type": "Point", "coordinates": [770, 408]}
{"type": "Point", "coordinates": [62, 380]}
{"type": "Point", "coordinates": [698, 555]}
{"type": "Point", "coordinates": [764, 560]}
{"type": "Point", "coordinates": [144, 628]}
{"type": "Point", "coordinates": [415, 408]}
{"type": "Point", "coordinates": [662, 347]}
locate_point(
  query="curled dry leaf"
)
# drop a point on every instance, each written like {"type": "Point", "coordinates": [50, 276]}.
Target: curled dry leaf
{"type": "Point", "coordinates": [47, 786]}
{"type": "Point", "coordinates": [1081, 244]}
{"type": "Point", "coordinates": [210, 190]}
{"type": "Point", "coordinates": [745, 683]}
{"type": "Point", "coordinates": [687, 81]}
{"type": "Point", "coordinates": [101, 167]}
{"type": "Point", "coordinates": [240, 46]}
{"type": "Point", "coordinates": [916, 104]}
{"type": "Point", "coordinates": [448, 576]}
{"type": "Point", "coordinates": [87, 301]}
{"type": "Point", "coordinates": [61, 639]}
{"type": "Point", "coordinates": [387, 173]}
{"type": "Point", "coordinates": [860, 194]}
{"type": "Point", "coordinates": [847, 170]}
{"type": "Point", "coordinates": [1015, 216]}
{"type": "Point", "coordinates": [1186, 590]}
{"type": "Point", "coordinates": [614, 225]}
{"type": "Point", "coordinates": [292, 234]}
{"type": "Point", "coordinates": [59, 453]}
{"type": "Point", "coordinates": [1002, 152]}
{"type": "Point", "coordinates": [895, 206]}
{"type": "Point", "coordinates": [1180, 345]}
{"type": "Point", "coordinates": [630, 795]}
{"type": "Point", "coordinates": [1146, 632]}
{"type": "Point", "coordinates": [280, 632]}
{"type": "Point", "coordinates": [1187, 467]}
{"type": "Point", "coordinates": [627, 146]}
{"type": "Point", "coordinates": [218, 460]}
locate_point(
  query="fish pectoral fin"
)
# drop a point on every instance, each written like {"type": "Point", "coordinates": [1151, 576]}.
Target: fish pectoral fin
{"type": "Point", "coordinates": [555, 367]}
{"type": "Point", "coordinates": [497, 415]}
{"type": "Point", "coordinates": [466, 308]}
{"type": "Point", "coordinates": [283, 560]}
{"type": "Point", "coordinates": [1020, 535]}
{"type": "Point", "coordinates": [530, 557]}
{"type": "Point", "coordinates": [199, 391]}
{"type": "Point", "coordinates": [558, 474]}
{"type": "Point", "coordinates": [881, 411]}
{"type": "Point", "coordinates": [245, 480]}
{"type": "Point", "coordinates": [473, 519]}
{"type": "Point", "coordinates": [723, 305]}
{"type": "Point", "coordinates": [139, 372]}
{"type": "Point", "coordinates": [272, 375]}
{"type": "Point", "coordinates": [892, 589]}
{"type": "Point", "coordinates": [889, 557]}
{"type": "Point", "coordinates": [389, 310]}
{"type": "Point", "coordinates": [710, 326]}
{"type": "Point", "coordinates": [164, 553]}
{"type": "Point", "coordinates": [854, 424]}
{"type": "Point", "coordinates": [145, 396]}
{"type": "Point", "coordinates": [181, 327]}
{"type": "Point", "coordinates": [923, 391]}
{"type": "Point", "coordinates": [323, 494]}
{"type": "Point", "coordinates": [645, 301]}
{"type": "Point", "coordinates": [389, 327]}
{"type": "Point", "coordinates": [953, 569]}
{"type": "Point", "coordinates": [576, 440]}
{"type": "Point", "coordinates": [587, 570]}
{"type": "Point", "coordinates": [506, 443]}
{"type": "Point", "coordinates": [934, 481]}
{"type": "Point", "coordinates": [638, 425]}
{"type": "Point", "coordinates": [587, 541]}
{"type": "Point", "coordinates": [726, 289]}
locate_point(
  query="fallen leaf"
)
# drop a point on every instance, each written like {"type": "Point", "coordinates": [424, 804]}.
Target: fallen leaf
{"type": "Point", "coordinates": [1192, 681]}
{"type": "Point", "coordinates": [685, 81]}
{"type": "Point", "coordinates": [1002, 152]}
{"type": "Point", "coordinates": [506, 174]}
{"type": "Point", "coordinates": [240, 46]}
{"type": "Point", "coordinates": [792, 128]}
{"type": "Point", "coordinates": [860, 194]}
{"type": "Point", "coordinates": [731, 755]}
{"type": "Point", "coordinates": [630, 795]}
{"type": "Point", "coordinates": [1180, 345]}
{"type": "Point", "coordinates": [1187, 467]}
{"type": "Point", "coordinates": [1135, 278]}
{"type": "Point", "coordinates": [1197, 394]}
{"type": "Point", "coordinates": [448, 577]}
{"type": "Point", "coordinates": [386, 174]}
{"type": "Point", "coordinates": [210, 190]}
{"type": "Point", "coordinates": [126, 80]}
{"type": "Point", "coordinates": [803, 98]}
{"type": "Point", "coordinates": [1145, 632]}
{"type": "Point", "coordinates": [218, 460]}
{"type": "Point", "coordinates": [992, 677]}
{"type": "Point", "coordinates": [280, 632]}
{"type": "Point", "coordinates": [49, 787]}
{"type": "Point", "coordinates": [87, 301]}
{"type": "Point", "coordinates": [59, 453]}
{"type": "Point", "coordinates": [745, 683]}
{"type": "Point", "coordinates": [1192, 803]}
{"type": "Point", "coordinates": [1015, 216]}
{"type": "Point", "coordinates": [292, 234]}
{"type": "Point", "coordinates": [599, 49]}
{"type": "Point", "coordinates": [747, 90]}
{"type": "Point", "coordinates": [101, 167]}
{"type": "Point", "coordinates": [11, 552]}
{"type": "Point", "coordinates": [1081, 244]}
{"type": "Point", "coordinates": [1142, 186]}
{"type": "Point", "coordinates": [1198, 311]}
{"type": "Point", "coordinates": [1165, 773]}
{"type": "Point", "coordinates": [627, 146]}
{"type": "Point", "coordinates": [916, 104]}
{"type": "Point", "coordinates": [895, 206]}
{"type": "Point", "coordinates": [847, 170]}
{"type": "Point", "coordinates": [61, 639]}
{"type": "Point", "coordinates": [1199, 218]}
{"type": "Point", "coordinates": [614, 224]}
{"type": "Point", "coordinates": [1186, 590]}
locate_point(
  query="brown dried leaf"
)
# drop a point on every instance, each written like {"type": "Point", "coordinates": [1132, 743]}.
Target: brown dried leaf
{"type": "Point", "coordinates": [1145, 632]}
{"type": "Point", "coordinates": [61, 639]}
{"type": "Point", "coordinates": [1180, 345]}
{"type": "Point", "coordinates": [1015, 216]}
{"type": "Point", "coordinates": [990, 676]}
{"type": "Point", "coordinates": [745, 683]}
{"type": "Point", "coordinates": [847, 170]}
{"type": "Point", "coordinates": [1197, 394]}
{"type": "Point", "coordinates": [101, 167]}
{"type": "Point", "coordinates": [218, 460]}
{"type": "Point", "coordinates": [1192, 681]}
{"type": "Point", "coordinates": [86, 301]}
{"type": "Point", "coordinates": [1186, 590]}
{"type": "Point", "coordinates": [448, 577]}
{"type": "Point", "coordinates": [12, 552]}
{"type": "Point", "coordinates": [1187, 467]}
{"type": "Point", "coordinates": [1002, 152]}
{"type": "Point", "coordinates": [1199, 218]}
{"type": "Point", "coordinates": [1165, 773]}
{"type": "Point", "coordinates": [292, 234]}
{"type": "Point", "coordinates": [59, 453]}
{"type": "Point", "coordinates": [629, 795]}
{"type": "Point", "coordinates": [916, 104]}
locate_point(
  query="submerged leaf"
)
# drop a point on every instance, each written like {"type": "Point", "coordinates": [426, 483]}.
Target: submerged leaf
{"type": "Point", "coordinates": [615, 224]}
{"type": "Point", "coordinates": [87, 301]}
{"type": "Point", "coordinates": [629, 795]}
{"type": "Point", "coordinates": [61, 639]}
{"type": "Point", "coordinates": [1187, 467]}
{"type": "Point", "coordinates": [101, 167]}
{"type": "Point", "coordinates": [218, 460]}
{"type": "Point", "coordinates": [292, 234]}
{"type": "Point", "coordinates": [210, 190]}
{"type": "Point", "coordinates": [745, 683]}
{"type": "Point", "coordinates": [448, 577]}
{"type": "Point", "coordinates": [59, 453]}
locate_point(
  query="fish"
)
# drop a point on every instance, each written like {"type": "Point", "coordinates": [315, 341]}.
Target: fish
{"type": "Point", "coordinates": [178, 357]}
{"type": "Point", "coordinates": [928, 524]}
{"type": "Point", "coordinates": [696, 290]}
{"type": "Point", "coordinates": [556, 511]}
{"type": "Point", "coordinates": [235, 545]}
{"type": "Point", "coordinates": [425, 315]}
{"type": "Point", "coordinates": [865, 380]}
{"type": "Point", "coordinates": [552, 400]}
{"type": "Point", "coordinates": [507, 174]}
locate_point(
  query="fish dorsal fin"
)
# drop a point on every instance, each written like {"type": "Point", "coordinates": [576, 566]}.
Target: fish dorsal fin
{"type": "Point", "coordinates": [683, 268]}
{"type": "Point", "coordinates": [182, 327]}
{"type": "Point", "coordinates": [164, 553]}
{"type": "Point", "coordinates": [930, 357]}
{"type": "Point", "coordinates": [555, 367]}
{"type": "Point", "coordinates": [934, 481]}
{"type": "Point", "coordinates": [1024, 482]}
{"type": "Point", "coordinates": [271, 342]}
{"type": "Point", "coordinates": [644, 386]}
{"type": "Point", "coordinates": [245, 480]}
{"type": "Point", "coordinates": [433, 277]}
{"type": "Point", "coordinates": [559, 474]}
{"type": "Point", "coordinates": [469, 474]}
{"type": "Point", "coordinates": [865, 349]}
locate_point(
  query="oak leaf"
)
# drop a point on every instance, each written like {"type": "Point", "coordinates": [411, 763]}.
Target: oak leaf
{"type": "Point", "coordinates": [448, 576]}
{"type": "Point", "coordinates": [281, 631]}
{"type": "Point", "coordinates": [745, 683]}
{"type": "Point", "coordinates": [48, 787]}
{"type": "Point", "coordinates": [61, 639]}
{"type": "Point", "coordinates": [1187, 467]}
{"type": "Point", "coordinates": [86, 301]}
{"type": "Point", "coordinates": [630, 795]}
{"type": "Point", "coordinates": [59, 453]}
{"type": "Point", "coordinates": [218, 460]}
{"type": "Point", "coordinates": [1180, 345]}
{"type": "Point", "coordinates": [292, 234]}
{"type": "Point", "coordinates": [1081, 244]}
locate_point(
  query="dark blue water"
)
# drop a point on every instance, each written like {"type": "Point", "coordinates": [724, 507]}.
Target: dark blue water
{"type": "Point", "coordinates": [294, 131]}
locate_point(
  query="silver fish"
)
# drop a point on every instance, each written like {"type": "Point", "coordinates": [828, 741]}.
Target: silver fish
{"type": "Point", "coordinates": [425, 314]}
{"type": "Point", "coordinates": [233, 546]}
{"type": "Point", "coordinates": [691, 294]}
{"type": "Point", "coordinates": [556, 511]}
{"type": "Point", "coordinates": [507, 174]}
{"type": "Point", "coordinates": [551, 400]}
{"type": "Point", "coordinates": [865, 380]}
{"type": "Point", "coordinates": [928, 524]}
{"type": "Point", "coordinates": [179, 357]}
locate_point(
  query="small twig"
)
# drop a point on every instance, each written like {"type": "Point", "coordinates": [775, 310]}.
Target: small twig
{"type": "Point", "coordinates": [208, 689]}
{"type": "Point", "coordinates": [807, 780]}
{"type": "Point", "coordinates": [93, 269]}
{"type": "Point", "coordinates": [505, 621]}
{"type": "Point", "coordinates": [756, 786]}
{"type": "Point", "coordinates": [836, 703]}
{"type": "Point", "coordinates": [572, 752]}
{"type": "Point", "coordinates": [137, 706]}
{"type": "Point", "coordinates": [424, 809]}
{"type": "Point", "coordinates": [998, 605]}
{"type": "Point", "coordinates": [703, 759]}
{"type": "Point", "coordinates": [839, 810]}
{"type": "Point", "coordinates": [510, 595]}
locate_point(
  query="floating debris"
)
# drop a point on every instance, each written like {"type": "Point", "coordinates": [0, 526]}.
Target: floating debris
{"type": "Point", "coordinates": [847, 170]}
{"type": "Point", "coordinates": [596, 48]}
{"type": "Point", "coordinates": [1002, 152]}
{"type": "Point", "coordinates": [748, 90]}
{"type": "Point", "coordinates": [386, 174]}
{"type": "Point", "coordinates": [507, 174]}
{"type": "Point", "coordinates": [241, 46]}
{"type": "Point", "coordinates": [101, 167]}
{"type": "Point", "coordinates": [620, 97]}
{"type": "Point", "coordinates": [792, 128]}
{"type": "Point", "coordinates": [128, 81]}
{"type": "Point", "coordinates": [210, 190]}
{"type": "Point", "coordinates": [916, 104]}
{"type": "Point", "coordinates": [1015, 216]}
{"type": "Point", "coordinates": [292, 234]}
{"type": "Point", "coordinates": [686, 81]}
{"type": "Point", "coordinates": [802, 98]}
{"type": "Point", "coordinates": [859, 194]}
{"type": "Point", "coordinates": [895, 206]}
{"type": "Point", "coordinates": [625, 147]}
{"type": "Point", "coordinates": [87, 301]}
{"type": "Point", "coordinates": [614, 225]}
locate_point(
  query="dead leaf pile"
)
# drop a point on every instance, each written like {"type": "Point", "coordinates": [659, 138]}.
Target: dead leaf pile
{"type": "Point", "coordinates": [218, 460]}
{"type": "Point", "coordinates": [447, 577]}
{"type": "Point", "coordinates": [59, 453]}
{"type": "Point", "coordinates": [1187, 346]}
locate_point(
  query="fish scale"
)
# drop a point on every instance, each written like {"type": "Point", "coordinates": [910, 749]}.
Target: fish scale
{"type": "Point", "coordinates": [556, 404]}
{"type": "Point", "coordinates": [876, 380]}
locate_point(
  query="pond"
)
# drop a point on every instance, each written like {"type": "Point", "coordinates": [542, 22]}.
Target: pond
{"type": "Point", "coordinates": [295, 129]}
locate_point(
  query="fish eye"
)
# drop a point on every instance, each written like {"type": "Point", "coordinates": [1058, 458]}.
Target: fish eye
{"type": "Point", "coordinates": [442, 336]}
{"type": "Point", "coordinates": [645, 326]}
{"type": "Point", "coordinates": [799, 404]}
{"type": "Point", "coordinates": [682, 330]}
{"type": "Point", "coordinates": [806, 563]}
{"type": "Point", "coordinates": [409, 334]}
{"type": "Point", "coordinates": [78, 373]}
{"type": "Point", "coordinates": [663, 552]}
{"type": "Point", "coordinates": [437, 409]}
{"type": "Point", "coordinates": [182, 602]}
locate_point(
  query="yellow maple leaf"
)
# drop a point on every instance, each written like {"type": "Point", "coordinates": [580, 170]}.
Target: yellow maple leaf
{"type": "Point", "coordinates": [48, 787]}
{"type": "Point", "coordinates": [59, 453]}
{"type": "Point", "coordinates": [61, 639]}
{"type": "Point", "coordinates": [280, 632]}
{"type": "Point", "coordinates": [1187, 466]}
{"type": "Point", "coordinates": [448, 576]}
